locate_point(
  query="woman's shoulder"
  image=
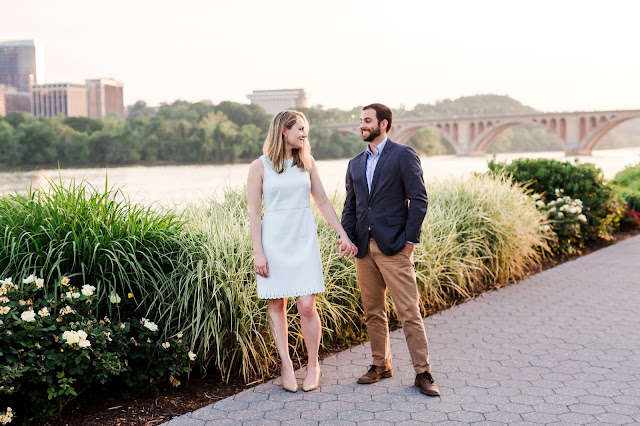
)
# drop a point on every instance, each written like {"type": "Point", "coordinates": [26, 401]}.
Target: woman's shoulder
{"type": "Point", "coordinates": [257, 165]}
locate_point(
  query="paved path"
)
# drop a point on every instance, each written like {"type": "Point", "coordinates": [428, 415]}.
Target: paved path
{"type": "Point", "coordinates": [560, 347]}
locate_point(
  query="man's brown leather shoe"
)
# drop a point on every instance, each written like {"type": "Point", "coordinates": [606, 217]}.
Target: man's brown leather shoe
{"type": "Point", "coordinates": [426, 384]}
{"type": "Point", "coordinates": [375, 373]}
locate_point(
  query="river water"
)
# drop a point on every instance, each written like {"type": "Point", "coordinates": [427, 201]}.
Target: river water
{"type": "Point", "coordinates": [180, 185]}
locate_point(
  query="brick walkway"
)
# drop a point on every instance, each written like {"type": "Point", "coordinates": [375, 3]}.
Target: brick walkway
{"type": "Point", "coordinates": [560, 347]}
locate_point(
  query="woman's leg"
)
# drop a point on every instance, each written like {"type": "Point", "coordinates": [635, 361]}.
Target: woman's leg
{"type": "Point", "coordinates": [310, 325]}
{"type": "Point", "coordinates": [278, 325]}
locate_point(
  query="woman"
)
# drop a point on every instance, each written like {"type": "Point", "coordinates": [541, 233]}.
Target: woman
{"type": "Point", "coordinates": [285, 245]}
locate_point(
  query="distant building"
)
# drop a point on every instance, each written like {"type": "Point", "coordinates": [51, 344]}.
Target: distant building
{"type": "Point", "coordinates": [68, 99]}
{"type": "Point", "coordinates": [12, 100]}
{"type": "Point", "coordinates": [21, 64]}
{"type": "Point", "coordinates": [274, 101]}
{"type": "Point", "coordinates": [105, 98]}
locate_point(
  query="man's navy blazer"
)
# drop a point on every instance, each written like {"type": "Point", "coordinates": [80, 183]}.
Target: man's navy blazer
{"type": "Point", "coordinates": [395, 209]}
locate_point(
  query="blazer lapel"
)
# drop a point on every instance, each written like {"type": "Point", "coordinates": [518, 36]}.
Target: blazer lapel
{"type": "Point", "coordinates": [383, 158]}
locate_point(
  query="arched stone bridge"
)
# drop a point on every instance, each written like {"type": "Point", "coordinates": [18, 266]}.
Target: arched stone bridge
{"type": "Point", "coordinates": [471, 135]}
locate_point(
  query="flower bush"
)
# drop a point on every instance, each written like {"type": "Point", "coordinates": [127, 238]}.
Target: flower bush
{"type": "Point", "coordinates": [565, 218]}
{"type": "Point", "coordinates": [602, 206]}
{"type": "Point", "coordinates": [53, 348]}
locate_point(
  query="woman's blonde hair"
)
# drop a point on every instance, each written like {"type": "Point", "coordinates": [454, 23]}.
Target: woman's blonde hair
{"type": "Point", "coordinates": [274, 144]}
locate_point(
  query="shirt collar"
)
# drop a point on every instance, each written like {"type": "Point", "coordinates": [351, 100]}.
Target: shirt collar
{"type": "Point", "coordinates": [379, 148]}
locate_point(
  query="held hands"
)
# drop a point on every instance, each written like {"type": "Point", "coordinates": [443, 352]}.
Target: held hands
{"type": "Point", "coordinates": [260, 265]}
{"type": "Point", "coordinates": [347, 248]}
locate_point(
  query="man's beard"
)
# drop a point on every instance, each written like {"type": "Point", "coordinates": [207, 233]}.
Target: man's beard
{"type": "Point", "coordinates": [373, 133]}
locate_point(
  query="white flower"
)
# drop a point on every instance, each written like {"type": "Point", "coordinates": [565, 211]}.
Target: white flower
{"type": "Point", "coordinates": [71, 337]}
{"type": "Point", "coordinates": [122, 326]}
{"type": "Point", "coordinates": [88, 290]}
{"type": "Point", "coordinates": [76, 337]}
{"type": "Point", "coordinates": [166, 345]}
{"type": "Point", "coordinates": [8, 416]}
{"type": "Point", "coordinates": [31, 278]}
{"type": "Point", "coordinates": [150, 325]}
{"type": "Point", "coordinates": [39, 282]}
{"type": "Point", "coordinates": [4, 299]}
{"type": "Point", "coordinates": [192, 356]}
{"type": "Point", "coordinates": [64, 281]}
{"type": "Point", "coordinates": [28, 316]}
{"type": "Point", "coordinates": [179, 335]}
{"type": "Point", "coordinates": [560, 215]}
{"type": "Point", "coordinates": [539, 203]}
{"type": "Point", "coordinates": [44, 312]}
{"type": "Point", "coordinates": [4, 310]}
{"type": "Point", "coordinates": [72, 295]}
{"type": "Point", "coordinates": [582, 218]}
{"type": "Point", "coordinates": [114, 298]}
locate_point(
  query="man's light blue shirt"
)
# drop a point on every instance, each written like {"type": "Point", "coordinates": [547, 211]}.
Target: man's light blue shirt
{"type": "Point", "coordinates": [372, 161]}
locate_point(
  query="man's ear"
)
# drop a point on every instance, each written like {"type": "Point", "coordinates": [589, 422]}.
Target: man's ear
{"type": "Point", "coordinates": [386, 123]}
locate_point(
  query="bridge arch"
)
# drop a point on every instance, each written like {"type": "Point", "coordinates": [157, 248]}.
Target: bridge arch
{"type": "Point", "coordinates": [483, 141]}
{"type": "Point", "coordinates": [403, 134]}
{"type": "Point", "coordinates": [590, 140]}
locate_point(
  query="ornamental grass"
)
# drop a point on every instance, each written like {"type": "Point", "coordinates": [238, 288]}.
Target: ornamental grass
{"type": "Point", "coordinates": [95, 237]}
{"type": "Point", "coordinates": [479, 233]}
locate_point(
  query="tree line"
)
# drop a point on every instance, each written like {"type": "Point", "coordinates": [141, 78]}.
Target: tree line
{"type": "Point", "coordinates": [203, 132]}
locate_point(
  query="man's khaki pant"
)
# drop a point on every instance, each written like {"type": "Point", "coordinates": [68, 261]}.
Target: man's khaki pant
{"type": "Point", "coordinates": [376, 273]}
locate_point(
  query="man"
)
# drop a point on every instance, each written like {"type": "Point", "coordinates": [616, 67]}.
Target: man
{"type": "Point", "coordinates": [383, 214]}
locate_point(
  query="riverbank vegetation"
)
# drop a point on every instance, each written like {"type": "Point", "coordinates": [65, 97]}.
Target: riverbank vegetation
{"type": "Point", "coordinates": [141, 296]}
{"type": "Point", "coordinates": [228, 132]}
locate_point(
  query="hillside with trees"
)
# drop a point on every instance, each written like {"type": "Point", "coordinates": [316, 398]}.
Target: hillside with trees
{"type": "Point", "coordinates": [228, 132]}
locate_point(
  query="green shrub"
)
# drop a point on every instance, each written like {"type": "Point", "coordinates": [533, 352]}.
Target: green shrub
{"type": "Point", "coordinates": [629, 177]}
{"type": "Point", "coordinates": [628, 184]}
{"type": "Point", "coordinates": [584, 182]}
{"type": "Point", "coordinates": [51, 350]}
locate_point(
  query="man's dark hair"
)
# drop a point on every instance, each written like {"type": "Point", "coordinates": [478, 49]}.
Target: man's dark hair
{"type": "Point", "coordinates": [383, 112]}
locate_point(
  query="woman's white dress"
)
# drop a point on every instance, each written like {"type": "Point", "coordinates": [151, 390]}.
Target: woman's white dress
{"type": "Point", "coordinates": [289, 235]}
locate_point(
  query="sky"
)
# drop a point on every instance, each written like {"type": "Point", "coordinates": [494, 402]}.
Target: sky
{"type": "Point", "coordinates": [553, 55]}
